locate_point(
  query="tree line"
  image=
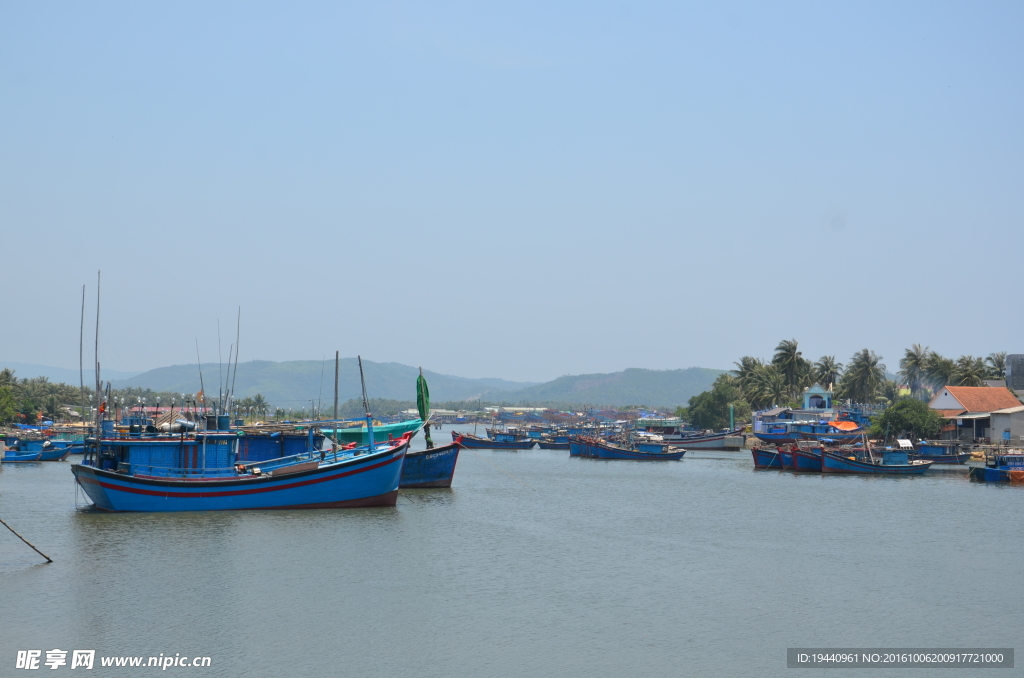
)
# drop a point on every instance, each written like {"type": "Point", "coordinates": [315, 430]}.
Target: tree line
{"type": "Point", "coordinates": [758, 384]}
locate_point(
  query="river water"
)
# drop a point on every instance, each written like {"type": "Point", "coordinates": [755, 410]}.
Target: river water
{"type": "Point", "coordinates": [532, 564]}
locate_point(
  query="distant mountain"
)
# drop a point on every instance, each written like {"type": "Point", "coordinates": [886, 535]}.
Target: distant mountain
{"type": "Point", "coordinates": [659, 388]}
{"type": "Point", "coordinates": [295, 382]}
{"type": "Point", "coordinates": [61, 374]}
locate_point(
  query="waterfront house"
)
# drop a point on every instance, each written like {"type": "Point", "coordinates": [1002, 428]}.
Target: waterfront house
{"type": "Point", "coordinates": [979, 413]}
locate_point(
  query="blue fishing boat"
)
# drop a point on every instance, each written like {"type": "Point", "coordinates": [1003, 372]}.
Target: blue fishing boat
{"type": "Point", "coordinates": [434, 467]}
{"type": "Point", "coordinates": [639, 452]}
{"type": "Point", "coordinates": [777, 435]}
{"type": "Point", "coordinates": [806, 459]}
{"type": "Point", "coordinates": [475, 442]}
{"type": "Point", "coordinates": [889, 462]}
{"type": "Point", "coordinates": [766, 457]}
{"type": "Point", "coordinates": [577, 447]}
{"type": "Point", "coordinates": [13, 457]}
{"type": "Point", "coordinates": [547, 444]}
{"type": "Point", "coordinates": [939, 454]}
{"type": "Point", "coordinates": [1001, 468]}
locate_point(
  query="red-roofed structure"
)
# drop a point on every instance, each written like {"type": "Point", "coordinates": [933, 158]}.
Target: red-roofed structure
{"type": "Point", "coordinates": [969, 409]}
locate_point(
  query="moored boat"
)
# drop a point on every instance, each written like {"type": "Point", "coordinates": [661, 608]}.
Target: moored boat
{"type": "Point", "coordinates": [10, 457]}
{"type": "Point", "coordinates": [475, 442]}
{"type": "Point", "coordinates": [434, 467]}
{"type": "Point", "coordinates": [1001, 468]}
{"type": "Point", "coordinates": [807, 459]}
{"type": "Point", "coordinates": [639, 452]}
{"type": "Point", "coordinates": [888, 463]}
{"type": "Point", "coordinates": [766, 457]}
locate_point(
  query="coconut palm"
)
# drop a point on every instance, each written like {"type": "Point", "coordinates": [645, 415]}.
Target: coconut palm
{"type": "Point", "coordinates": [792, 365]}
{"type": "Point", "coordinates": [996, 365]}
{"type": "Point", "coordinates": [938, 370]}
{"type": "Point", "coordinates": [970, 371]}
{"type": "Point", "coordinates": [863, 378]}
{"type": "Point", "coordinates": [914, 369]}
{"type": "Point", "coordinates": [259, 404]}
{"type": "Point", "coordinates": [827, 371]}
{"type": "Point", "coordinates": [767, 387]}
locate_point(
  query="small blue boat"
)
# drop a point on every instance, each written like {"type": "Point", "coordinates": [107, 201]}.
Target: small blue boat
{"type": "Point", "coordinates": [1001, 468]}
{"type": "Point", "coordinates": [939, 454]}
{"type": "Point", "coordinates": [10, 457]}
{"type": "Point", "coordinates": [777, 436]}
{"type": "Point", "coordinates": [474, 442]}
{"type": "Point", "coordinates": [766, 458]}
{"type": "Point", "coordinates": [434, 467]}
{"type": "Point", "coordinates": [641, 452]}
{"type": "Point", "coordinates": [892, 462]}
{"type": "Point", "coordinates": [552, 445]}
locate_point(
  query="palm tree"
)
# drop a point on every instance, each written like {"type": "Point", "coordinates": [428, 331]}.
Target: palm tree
{"type": "Point", "coordinates": [791, 363]}
{"type": "Point", "coordinates": [938, 370]}
{"type": "Point", "coordinates": [914, 368]}
{"type": "Point", "coordinates": [767, 387]}
{"type": "Point", "coordinates": [970, 371]}
{"type": "Point", "coordinates": [996, 365]}
{"type": "Point", "coordinates": [891, 391]}
{"type": "Point", "coordinates": [863, 378]}
{"type": "Point", "coordinates": [259, 404]}
{"type": "Point", "coordinates": [827, 371]}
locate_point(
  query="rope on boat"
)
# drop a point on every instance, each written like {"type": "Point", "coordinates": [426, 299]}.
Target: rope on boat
{"type": "Point", "coordinates": [48, 558]}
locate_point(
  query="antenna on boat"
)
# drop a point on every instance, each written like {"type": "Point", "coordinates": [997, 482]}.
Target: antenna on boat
{"type": "Point", "coordinates": [99, 387]}
{"type": "Point", "coordinates": [220, 371]}
{"type": "Point", "coordinates": [336, 359]}
{"type": "Point", "coordinates": [366, 406]}
{"type": "Point", "coordinates": [238, 336]}
{"type": "Point", "coordinates": [202, 386]}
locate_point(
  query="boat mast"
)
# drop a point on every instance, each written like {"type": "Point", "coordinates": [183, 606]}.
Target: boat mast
{"type": "Point", "coordinates": [336, 358]}
{"type": "Point", "coordinates": [366, 406]}
{"type": "Point", "coordinates": [81, 362]}
{"type": "Point", "coordinates": [99, 393]}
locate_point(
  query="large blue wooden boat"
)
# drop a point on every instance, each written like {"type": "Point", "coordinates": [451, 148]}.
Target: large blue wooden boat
{"type": "Point", "coordinates": [766, 457]}
{"type": "Point", "coordinates": [889, 462]}
{"type": "Point", "coordinates": [122, 476]}
{"type": "Point", "coordinates": [475, 442]}
{"type": "Point", "coordinates": [434, 467]}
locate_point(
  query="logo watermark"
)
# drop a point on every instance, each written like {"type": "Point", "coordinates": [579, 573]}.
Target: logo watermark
{"type": "Point", "coordinates": [85, 659]}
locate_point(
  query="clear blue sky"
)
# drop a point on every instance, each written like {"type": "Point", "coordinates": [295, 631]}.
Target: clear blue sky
{"type": "Point", "coordinates": [527, 189]}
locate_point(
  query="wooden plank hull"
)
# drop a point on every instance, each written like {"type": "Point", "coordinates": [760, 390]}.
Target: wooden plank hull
{"type": "Point", "coordinates": [430, 468]}
{"type": "Point", "coordinates": [805, 460]}
{"type": "Point", "coordinates": [368, 480]}
{"type": "Point", "coordinates": [473, 442]}
{"type": "Point", "coordinates": [834, 463]}
{"type": "Point", "coordinates": [766, 458]}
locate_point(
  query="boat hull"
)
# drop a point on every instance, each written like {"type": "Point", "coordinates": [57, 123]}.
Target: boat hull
{"type": "Point", "coordinates": [612, 452]}
{"type": "Point", "coordinates": [21, 457]}
{"type": "Point", "coordinates": [370, 480]}
{"type": "Point", "coordinates": [472, 442]}
{"type": "Point", "coordinates": [766, 458]}
{"type": "Point", "coordinates": [834, 463]}
{"type": "Point", "coordinates": [806, 461]}
{"type": "Point", "coordinates": [960, 459]}
{"type": "Point", "coordinates": [544, 445]}
{"type": "Point", "coordinates": [778, 438]}
{"type": "Point", "coordinates": [430, 468]}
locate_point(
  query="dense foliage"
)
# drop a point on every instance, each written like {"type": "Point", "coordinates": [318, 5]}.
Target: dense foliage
{"type": "Point", "coordinates": [907, 417]}
{"type": "Point", "coordinates": [710, 409]}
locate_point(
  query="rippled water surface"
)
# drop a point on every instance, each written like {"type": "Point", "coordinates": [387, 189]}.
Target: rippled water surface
{"type": "Point", "coordinates": [533, 564]}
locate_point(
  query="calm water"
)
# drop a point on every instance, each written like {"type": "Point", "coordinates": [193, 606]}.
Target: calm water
{"type": "Point", "coordinates": [533, 564]}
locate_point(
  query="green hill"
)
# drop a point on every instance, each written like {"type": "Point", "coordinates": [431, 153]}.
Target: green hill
{"type": "Point", "coordinates": [294, 383]}
{"type": "Point", "coordinates": [659, 388]}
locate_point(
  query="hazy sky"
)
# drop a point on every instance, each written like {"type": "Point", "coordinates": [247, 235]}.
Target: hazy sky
{"type": "Point", "coordinates": [520, 189]}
